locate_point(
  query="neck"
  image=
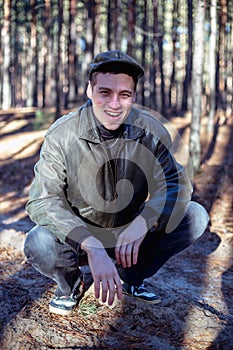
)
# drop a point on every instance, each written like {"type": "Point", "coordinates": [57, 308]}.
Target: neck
{"type": "Point", "coordinates": [110, 134]}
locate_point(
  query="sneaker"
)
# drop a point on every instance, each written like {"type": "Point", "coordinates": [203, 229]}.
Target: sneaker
{"type": "Point", "coordinates": [64, 305]}
{"type": "Point", "coordinates": [140, 293]}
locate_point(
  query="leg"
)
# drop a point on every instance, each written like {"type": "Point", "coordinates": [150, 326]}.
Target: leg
{"type": "Point", "coordinates": [158, 246]}
{"type": "Point", "coordinates": [53, 259]}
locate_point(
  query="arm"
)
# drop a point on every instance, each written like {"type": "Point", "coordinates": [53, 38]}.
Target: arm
{"type": "Point", "coordinates": [165, 208]}
{"type": "Point", "coordinates": [171, 193]}
{"type": "Point", "coordinates": [47, 205]}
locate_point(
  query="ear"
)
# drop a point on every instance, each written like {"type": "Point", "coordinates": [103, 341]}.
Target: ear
{"type": "Point", "coordinates": [89, 91]}
{"type": "Point", "coordinates": [134, 97]}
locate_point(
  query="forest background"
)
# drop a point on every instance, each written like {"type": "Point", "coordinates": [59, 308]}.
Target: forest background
{"type": "Point", "coordinates": [186, 48]}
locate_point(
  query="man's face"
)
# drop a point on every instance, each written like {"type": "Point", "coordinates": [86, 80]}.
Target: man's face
{"type": "Point", "coordinates": [112, 97]}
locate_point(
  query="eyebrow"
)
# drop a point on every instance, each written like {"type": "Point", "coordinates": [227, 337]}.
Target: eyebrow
{"type": "Point", "coordinates": [107, 88]}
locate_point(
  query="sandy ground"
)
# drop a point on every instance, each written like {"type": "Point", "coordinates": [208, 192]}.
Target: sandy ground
{"type": "Point", "coordinates": [195, 286]}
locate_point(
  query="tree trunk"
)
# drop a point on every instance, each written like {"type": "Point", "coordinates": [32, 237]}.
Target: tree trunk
{"type": "Point", "coordinates": [188, 68]}
{"type": "Point", "coordinates": [221, 100]}
{"type": "Point", "coordinates": [116, 45]}
{"type": "Point", "coordinates": [32, 79]}
{"type": "Point", "coordinates": [109, 27]}
{"type": "Point", "coordinates": [212, 63]}
{"type": "Point", "coordinates": [91, 32]}
{"type": "Point", "coordinates": [158, 62]}
{"type": "Point", "coordinates": [66, 55]}
{"type": "Point", "coordinates": [90, 38]}
{"type": "Point", "coordinates": [58, 59]}
{"type": "Point", "coordinates": [131, 26]}
{"type": "Point", "coordinates": [144, 44]}
{"type": "Point", "coordinates": [172, 88]}
{"type": "Point", "coordinates": [197, 75]}
{"type": "Point", "coordinates": [6, 90]}
{"type": "Point", "coordinates": [71, 52]}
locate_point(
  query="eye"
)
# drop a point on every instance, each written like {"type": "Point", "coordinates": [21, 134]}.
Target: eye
{"type": "Point", "coordinates": [104, 92]}
{"type": "Point", "coordinates": [125, 95]}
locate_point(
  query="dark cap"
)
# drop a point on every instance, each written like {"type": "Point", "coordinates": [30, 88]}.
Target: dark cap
{"type": "Point", "coordinates": [116, 61]}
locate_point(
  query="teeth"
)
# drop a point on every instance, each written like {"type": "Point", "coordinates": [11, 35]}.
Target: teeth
{"type": "Point", "coordinates": [114, 114]}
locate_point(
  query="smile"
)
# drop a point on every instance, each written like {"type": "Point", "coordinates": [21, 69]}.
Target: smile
{"type": "Point", "coordinates": [113, 114]}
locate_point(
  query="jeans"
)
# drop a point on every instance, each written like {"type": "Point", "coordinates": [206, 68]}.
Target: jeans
{"type": "Point", "coordinates": [60, 262]}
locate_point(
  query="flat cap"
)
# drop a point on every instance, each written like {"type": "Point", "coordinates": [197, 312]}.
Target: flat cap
{"type": "Point", "coordinates": [116, 61]}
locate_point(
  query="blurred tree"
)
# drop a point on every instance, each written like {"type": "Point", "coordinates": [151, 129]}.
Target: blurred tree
{"type": "Point", "coordinates": [188, 67]}
{"type": "Point", "coordinates": [57, 56]}
{"type": "Point", "coordinates": [5, 39]}
{"type": "Point", "coordinates": [197, 79]}
{"type": "Point", "coordinates": [222, 54]}
{"type": "Point", "coordinates": [131, 26]}
{"type": "Point", "coordinates": [212, 64]}
{"type": "Point", "coordinates": [46, 47]}
{"type": "Point", "coordinates": [32, 59]}
{"type": "Point", "coordinates": [117, 25]}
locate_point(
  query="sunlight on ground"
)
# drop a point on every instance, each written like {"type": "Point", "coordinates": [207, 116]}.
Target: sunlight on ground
{"type": "Point", "coordinates": [218, 262]}
{"type": "Point", "coordinates": [21, 146]}
{"type": "Point", "coordinates": [212, 298]}
{"type": "Point", "coordinates": [13, 126]}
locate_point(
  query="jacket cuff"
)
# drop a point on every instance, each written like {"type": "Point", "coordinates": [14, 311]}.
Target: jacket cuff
{"type": "Point", "coordinates": [77, 236]}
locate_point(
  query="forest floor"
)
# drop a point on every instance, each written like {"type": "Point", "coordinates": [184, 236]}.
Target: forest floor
{"type": "Point", "coordinates": [196, 312]}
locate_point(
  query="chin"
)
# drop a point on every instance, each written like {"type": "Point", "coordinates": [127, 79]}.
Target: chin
{"type": "Point", "coordinates": [112, 126]}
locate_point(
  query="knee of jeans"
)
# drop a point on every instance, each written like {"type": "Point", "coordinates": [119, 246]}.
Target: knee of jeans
{"type": "Point", "coordinates": [200, 218]}
{"type": "Point", "coordinates": [37, 240]}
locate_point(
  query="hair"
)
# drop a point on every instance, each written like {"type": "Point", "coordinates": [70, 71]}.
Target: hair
{"type": "Point", "coordinates": [93, 77]}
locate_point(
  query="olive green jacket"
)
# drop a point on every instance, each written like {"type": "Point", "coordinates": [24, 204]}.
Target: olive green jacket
{"type": "Point", "coordinates": [86, 186]}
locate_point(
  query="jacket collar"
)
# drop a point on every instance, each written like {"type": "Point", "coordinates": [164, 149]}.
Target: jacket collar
{"type": "Point", "coordinates": [88, 125]}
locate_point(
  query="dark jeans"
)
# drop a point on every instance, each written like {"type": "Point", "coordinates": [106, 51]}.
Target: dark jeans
{"type": "Point", "coordinates": [61, 263]}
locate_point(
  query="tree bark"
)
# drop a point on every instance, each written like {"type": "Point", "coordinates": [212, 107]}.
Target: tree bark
{"type": "Point", "coordinates": [117, 20]}
{"type": "Point", "coordinates": [144, 45]}
{"type": "Point", "coordinates": [6, 91]}
{"type": "Point", "coordinates": [188, 68]}
{"type": "Point", "coordinates": [221, 93]}
{"type": "Point", "coordinates": [212, 64]}
{"type": "Point", "coordinates": [58, 59]}
{"type": "Point", "coordinates": [158, 62]}
{"type": "Point", "coordinates": [197, 75]}
{"type": "Point", "coordinates": [32, 79]}
{"type": "Point", "coordinates": [131, 26]}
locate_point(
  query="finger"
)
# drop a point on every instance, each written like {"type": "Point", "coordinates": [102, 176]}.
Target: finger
{"type": "Point", "coordinates": [118, 248]}
{"type": "Point", "coordinates": [104, 290]}
{"type": "Point", "coordinates": [111, 292]}
{"type": "Point", "coordinates": [97, 288]}
{"type": "Point", "coordinates": [117, 255]}
{"type": "Point", "coordinates": [135, 253]}
{"type": "Point", "coordinates": [123, 261]}
{"type": "Point", "coordinates": [128, 255]}
{"type": "Point", "coordinates": [118, 287]}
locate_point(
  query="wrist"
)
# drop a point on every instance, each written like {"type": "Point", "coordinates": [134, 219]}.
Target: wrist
{"type": "Point", "coordinates": [141, 223]}
{"type": "Point", "coordinates": [91, 244]}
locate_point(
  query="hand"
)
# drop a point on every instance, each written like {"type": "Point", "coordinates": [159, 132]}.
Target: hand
{"type": "Point", "coordinates": [129, 241]}
{"type": "Point", "coordinates": [103, 271]}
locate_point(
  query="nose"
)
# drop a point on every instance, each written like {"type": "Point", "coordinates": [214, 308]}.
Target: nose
{"type": "Point", "coordinates": [114, 102]}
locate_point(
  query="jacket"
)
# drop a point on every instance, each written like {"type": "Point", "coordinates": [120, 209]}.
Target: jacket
{"type": "Point", "coordinates": [81, 189]}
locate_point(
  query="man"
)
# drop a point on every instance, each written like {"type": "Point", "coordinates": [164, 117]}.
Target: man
{"type": "Point", "coordinates": [108, 192]}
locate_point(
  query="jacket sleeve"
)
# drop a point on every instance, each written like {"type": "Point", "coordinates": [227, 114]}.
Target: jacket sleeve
{"type": "Point", "coordinates": [47, 205]}
{"type": "Point", "coordinates": [171, 192]}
